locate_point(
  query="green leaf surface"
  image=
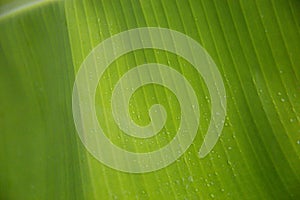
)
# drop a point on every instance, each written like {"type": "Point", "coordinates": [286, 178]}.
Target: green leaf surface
{"type": "Point", "coordinates": [256, 46]}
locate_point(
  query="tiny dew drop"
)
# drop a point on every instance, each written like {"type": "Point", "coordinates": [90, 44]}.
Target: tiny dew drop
{"type": "Point", "coordinates": [282, 100]}
{"type": "Point", "coordinates": [228, 162]}
{"type": "Point", "coordinates": [190, 179]}
{"type": "Point", "coordinates": [212, 196]}
{"type": "Point", "coordinates": [298, 142]}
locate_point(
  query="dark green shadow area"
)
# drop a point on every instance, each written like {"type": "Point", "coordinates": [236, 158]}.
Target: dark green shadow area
{"type": "Point", "coordinates": [38, 144]}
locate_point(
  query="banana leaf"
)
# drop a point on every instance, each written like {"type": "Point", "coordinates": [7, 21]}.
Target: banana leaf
{"type": "Point", "coordinates": [255, 46]}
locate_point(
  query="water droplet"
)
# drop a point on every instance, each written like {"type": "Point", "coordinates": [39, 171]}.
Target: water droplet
{"type": "Point", "coordinates": [298, 142]}
{"type": "Point", "coordinates": [229, 148]}
{"type": "Point", "coordinates": [190, 179]}
{"type": "Point", "coordinates": [282, 100]}
{"type": "Point", "coordinates": [212, 196]}
{"type": "Point", "coordinates": [291, 120]}
{"type": "Point", "coordinates": [279, 93]}
{"type": "Point", "coordinates": [222, 190]}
